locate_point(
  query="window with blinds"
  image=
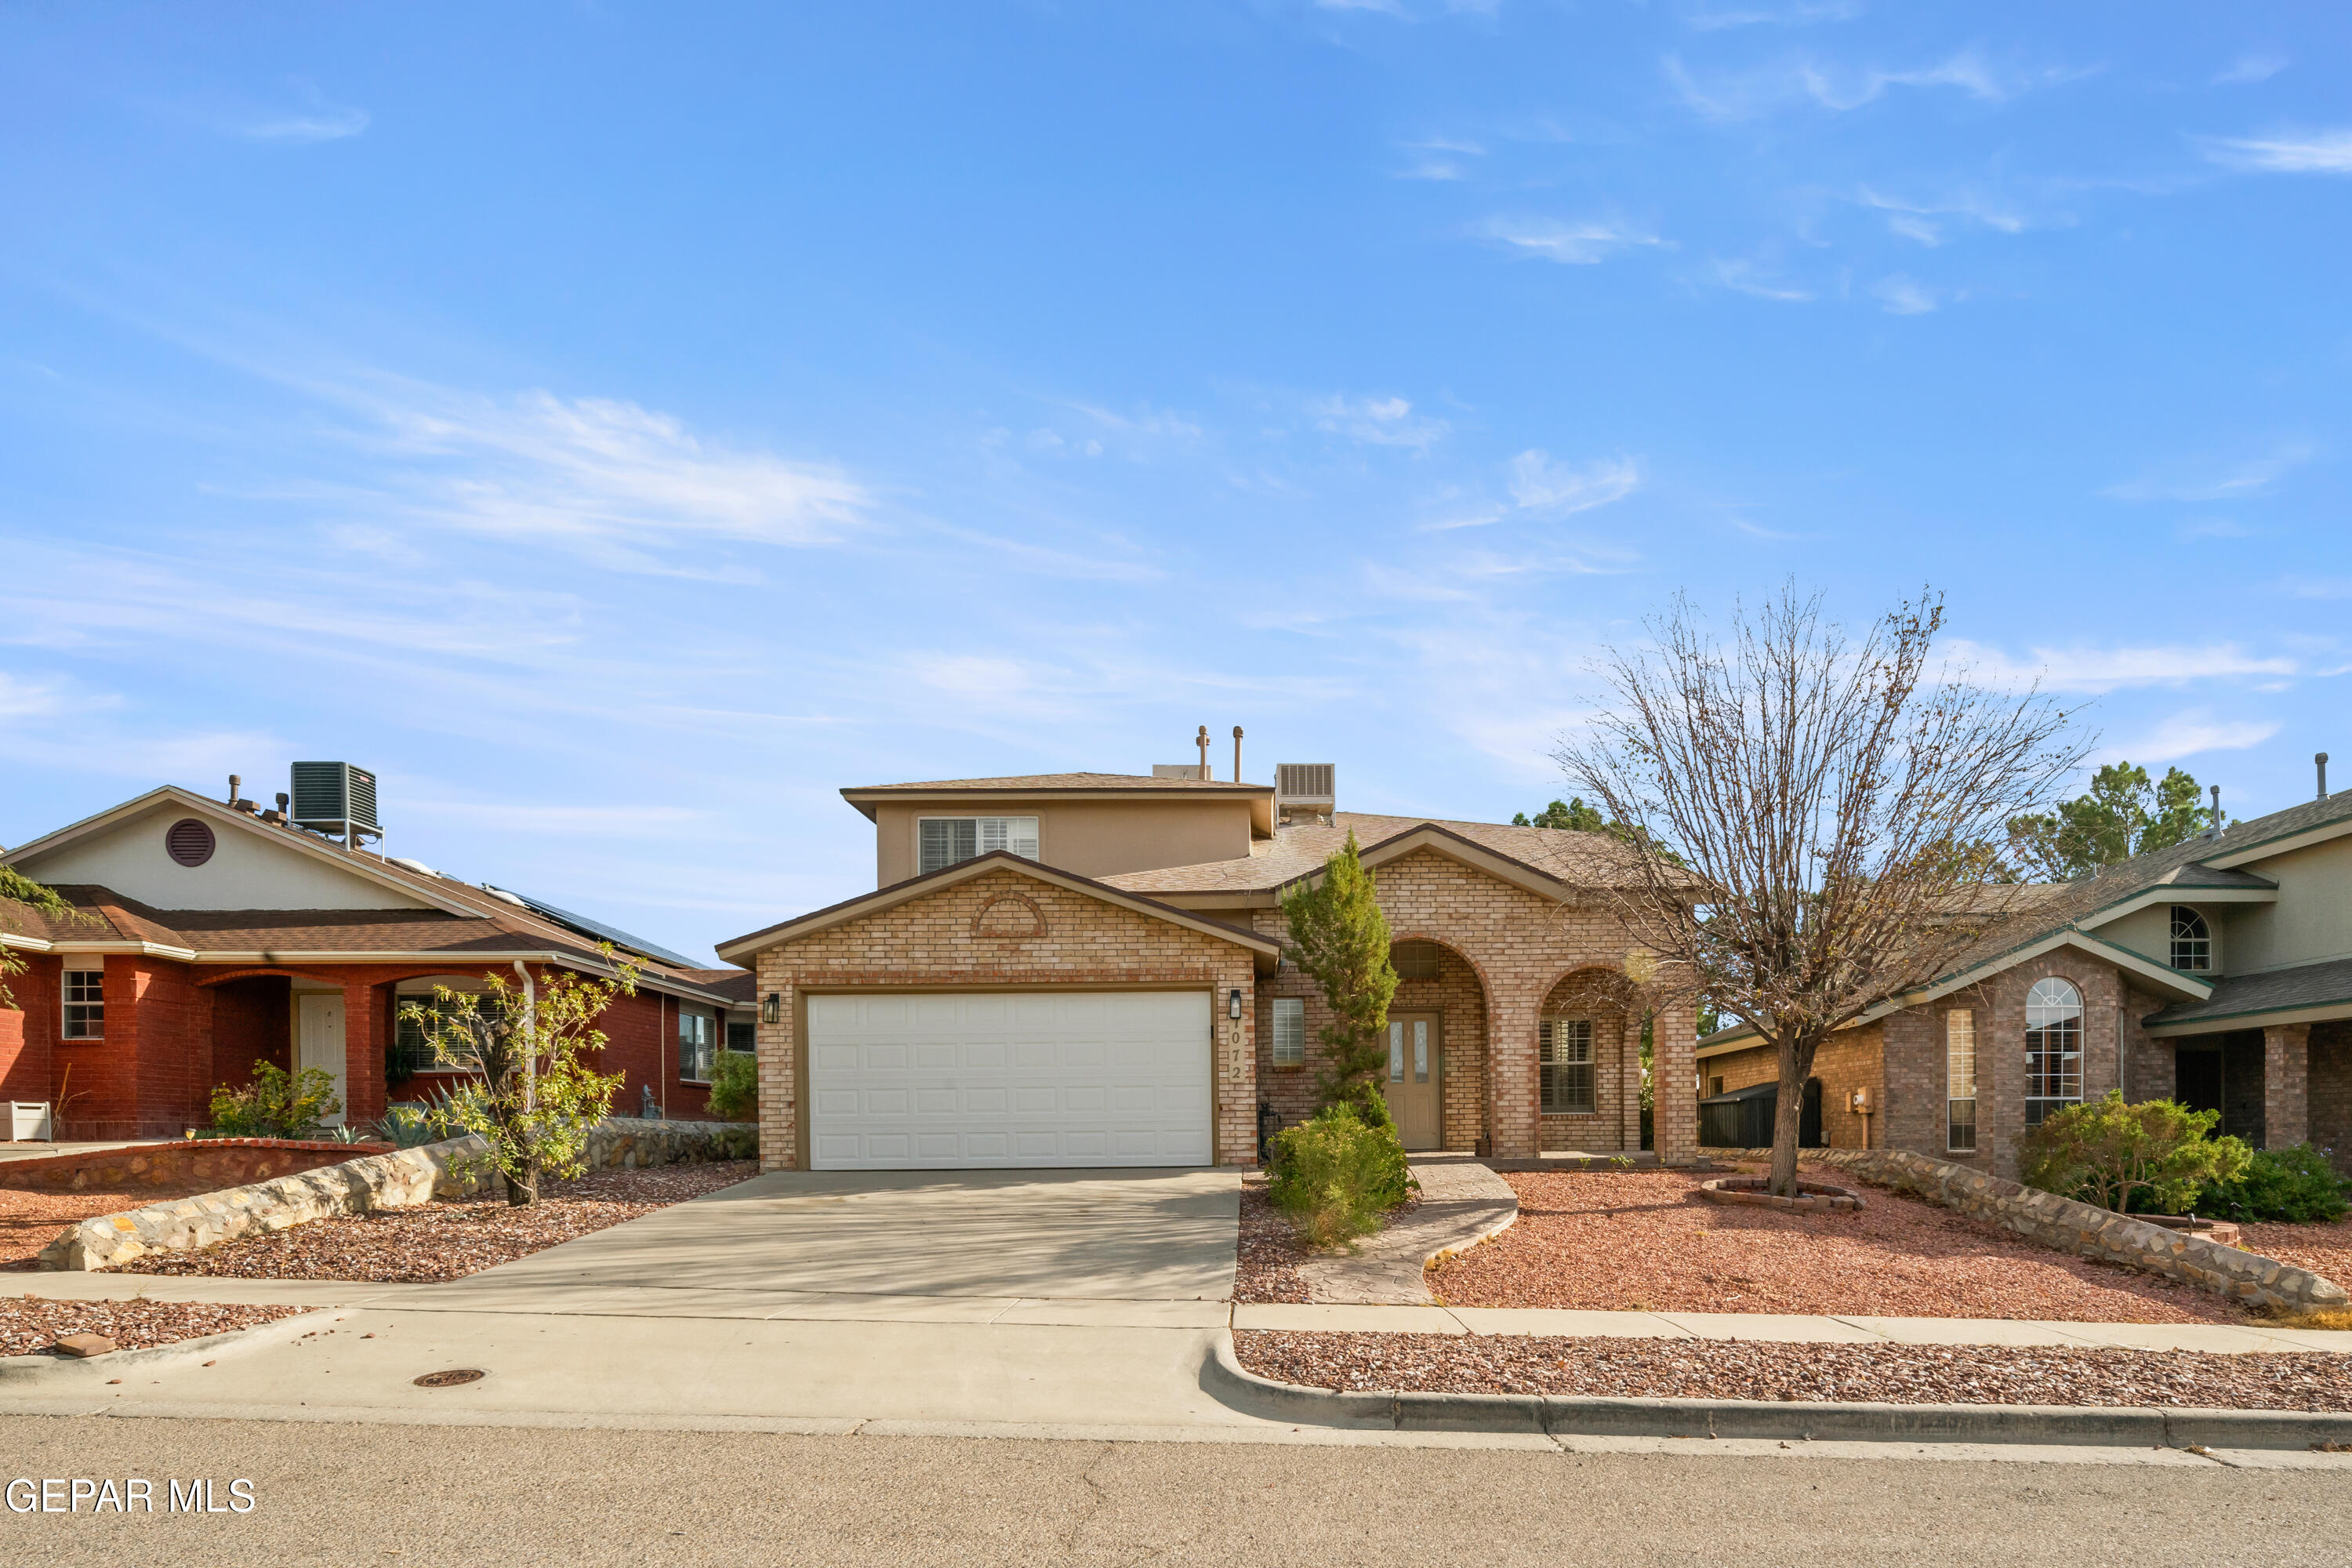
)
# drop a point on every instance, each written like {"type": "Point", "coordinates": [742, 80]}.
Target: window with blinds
{"type": "Point", "coordinates": [944, 841]}
{"type": "Point", "coordinates": [1961, 1078]}
{"type": "Point", "coordinates": [1564, 1067]}
{"type": "Point", "coordinates": [413, 1035]}
{"type": "Point", "coordinates": [1289, 1031]}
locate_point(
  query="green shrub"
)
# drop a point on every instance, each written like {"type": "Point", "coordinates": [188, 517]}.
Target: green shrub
{"type": "Point", "coordinates": [1338, 1173]}
{"type": "Point", "coordinates": [735, 1086]}
{"type": "Point", "coordinates": [2154, 1157]}
{"type": "Point", "coordinates": [2289, 1186]}
{"type": "Point", "coordinates": [275, 1105]}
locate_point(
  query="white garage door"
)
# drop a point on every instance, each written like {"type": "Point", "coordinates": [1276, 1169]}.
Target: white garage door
{"type": "Point", "coordinates": [1009, 1079]}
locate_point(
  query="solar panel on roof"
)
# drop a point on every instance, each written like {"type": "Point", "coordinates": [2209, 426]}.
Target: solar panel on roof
{"type": "Point", "coordinates": [599, 930]}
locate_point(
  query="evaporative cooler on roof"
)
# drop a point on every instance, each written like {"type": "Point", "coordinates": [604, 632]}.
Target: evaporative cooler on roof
{"type": "Point", "coordinates": [335, 798]}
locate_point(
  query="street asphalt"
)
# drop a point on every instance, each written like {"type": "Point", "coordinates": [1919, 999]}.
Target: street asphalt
{"type": "Point", "coordinates": [375, 1494]}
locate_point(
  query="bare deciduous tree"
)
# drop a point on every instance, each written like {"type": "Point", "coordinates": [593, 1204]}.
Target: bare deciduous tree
{"type": "Point", "coordinates": [1836, 798]}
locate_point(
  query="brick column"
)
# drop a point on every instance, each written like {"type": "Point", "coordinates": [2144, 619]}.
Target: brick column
{"type": "Point", "coordinates": [1673, 1078]}
{"type": "Point", "coordinates": [2286, 1080]}
{"type": "Point", "coordinates": [1512, 1122]}
{"type": "Point", "coordinates": [364, 1039]}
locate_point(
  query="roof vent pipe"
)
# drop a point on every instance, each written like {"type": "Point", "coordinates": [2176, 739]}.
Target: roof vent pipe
{"type": "Point", "coordinates": [233, 782]}
{"type": "Point", "coordinates": [2320, 759]}
{"type": "Point", "coordinates": [2215, 831]}
{"type": "Point", "coordinates": [1201, 740]}
{"type": "Point", "coordinates": [1237, 754]}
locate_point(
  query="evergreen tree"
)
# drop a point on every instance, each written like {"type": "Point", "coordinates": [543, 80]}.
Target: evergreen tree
{"type": "Point", "coordinates": [2123, 813]}
{"type": "Point", "coordinates": [1339, 939]}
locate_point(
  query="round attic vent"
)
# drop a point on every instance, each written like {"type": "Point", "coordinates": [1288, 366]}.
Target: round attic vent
{"type": "Point", "coordinates": [190, 841]}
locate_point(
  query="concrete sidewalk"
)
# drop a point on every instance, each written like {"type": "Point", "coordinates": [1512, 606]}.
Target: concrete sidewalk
{"type": "Point", "coordinates": [2217, 1337]}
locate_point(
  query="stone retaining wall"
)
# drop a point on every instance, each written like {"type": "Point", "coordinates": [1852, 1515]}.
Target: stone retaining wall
{"type": "Point", "coordinates": [399, 1180]}
{"type": "Point", "coordinates": [620, 1141]}
{"type": "Point", "coordinates": [455, 1167]}
{"type": "Point", "coordinates": [2080, 1229]}
{"type": "Point", "coordinates": [177, 1161]}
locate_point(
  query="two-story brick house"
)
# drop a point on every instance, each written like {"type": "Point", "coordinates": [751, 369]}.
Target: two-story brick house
{"type": "Point", "coordinates": [1086, 969]}
{"type": "Point", "coordinates": [2218, 972]}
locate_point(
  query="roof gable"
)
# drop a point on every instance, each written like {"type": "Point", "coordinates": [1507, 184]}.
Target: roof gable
{"type": "Point", "coordinates": [742, 949]}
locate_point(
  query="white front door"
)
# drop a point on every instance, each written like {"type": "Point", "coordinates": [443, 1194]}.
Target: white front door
{"type": "Point", "coordinates": [320, 1045]}
{"type": "Point", "coordinates": [1012, 1080]}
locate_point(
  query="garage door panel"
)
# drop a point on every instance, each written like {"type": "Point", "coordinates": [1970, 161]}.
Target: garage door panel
{"type": "Point", "coordinates": [1009, 1079]}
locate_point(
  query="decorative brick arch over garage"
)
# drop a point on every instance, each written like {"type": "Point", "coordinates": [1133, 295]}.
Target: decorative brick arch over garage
{"type": "Point", "coordinates": [994, 927]}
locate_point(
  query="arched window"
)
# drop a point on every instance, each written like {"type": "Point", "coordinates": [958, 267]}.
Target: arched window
{"type": "Point", "coordinates": [2053, 1049]}
{"type": "Point", "coordinates": [2192, 940]}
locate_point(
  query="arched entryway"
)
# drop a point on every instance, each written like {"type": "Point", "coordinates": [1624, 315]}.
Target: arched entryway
{"type": "Point", "coordinates": [1436, 1073]}
{"type": "Point", "coordinates": [1589, 1075]}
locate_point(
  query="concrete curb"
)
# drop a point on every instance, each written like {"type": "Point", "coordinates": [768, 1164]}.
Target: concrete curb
{"type": "Point", "coordinates": [37, 1368]}
{"type": "Point", "coordinates": [1224, 1378]}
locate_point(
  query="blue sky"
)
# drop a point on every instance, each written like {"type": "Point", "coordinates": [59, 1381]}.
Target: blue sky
{"type": "Point", "coordinates": [622, 425]}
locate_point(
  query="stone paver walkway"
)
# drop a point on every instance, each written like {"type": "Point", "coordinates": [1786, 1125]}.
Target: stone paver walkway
{"type": "Point", "coordinates": [2225, 1338]}
{"type": "Point", "coordinates": [1462, 1203]}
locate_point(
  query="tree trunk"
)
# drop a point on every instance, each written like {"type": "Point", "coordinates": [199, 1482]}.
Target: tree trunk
{"type": "Point", "coordinates": [523, 1193]}
{"type": "Point", "coordinates": [1796, 1059]}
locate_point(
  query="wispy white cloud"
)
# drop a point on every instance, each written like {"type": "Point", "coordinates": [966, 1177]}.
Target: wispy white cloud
{"type": "Point", "coordinates": [1081, 565]}
{"type": "Point", "coordinates": [1827, 84]}
{"type": "Point", "coordinates": [1902, 295]}
{"type": "Point", "coordinates": [1917, 218]}
{"type": "Point", "coordinates": [1552, 488]}
{"type": "Point", "coordinates": [1746, 276]}
{"type": "Point", "coordinates": [2251, 477]}
{"type": "Point", "coordinates": [2250, 68]}
{"type": "Point", "coordinates": [2197, 730]}
{"type": "Point", "coordinates": [2288, 152]}
{"type": "Point", "coordinates": [319, 125]}
{"type": "Point", "coordinates": [1573, 244]}
{"type": "Point", "coordinates": [21, 698]}
{"type": "Point", "coordinates": [1802, 14]}
{"type": "Point", "coordinates": [1438, 158]}
{"type": "Point", "coordinates": [1378, 421]}
{"type": "Point", "coordinates": [2105, 669]}
{"type": "Point", "coordinates": [2319, 587]}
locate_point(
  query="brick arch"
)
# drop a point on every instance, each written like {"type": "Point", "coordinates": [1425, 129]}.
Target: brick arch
{"type": "Point", "coordinates": [1464, 1107]}
{"type": "Point", "coordinates": [1616, 991]}
{"type": "Point", "coordinates": [1485, 984]}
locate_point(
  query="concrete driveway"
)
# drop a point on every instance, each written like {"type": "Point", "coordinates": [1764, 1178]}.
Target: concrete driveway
{"type": "Point", "coordinates": [911, 1246]}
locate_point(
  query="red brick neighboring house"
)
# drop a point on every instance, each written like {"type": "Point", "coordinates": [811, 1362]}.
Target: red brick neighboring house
{"type": "Point", "coordinates": [2218, 972]}
{"type": "Point", "coordinates": [206, 938]}
{"type": "Point", "coordinates": [1082, 969]}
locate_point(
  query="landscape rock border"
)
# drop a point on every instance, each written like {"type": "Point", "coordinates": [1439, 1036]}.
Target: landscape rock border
{"type": "Point", "coordinates": [1755, 1190]}
{"type": "Point", "coordinates": [453, 1168]}
{"type": "Point", "coordinates": [2083, 1229]}
{"type": "Point", "coordinates": [1224, 1379]}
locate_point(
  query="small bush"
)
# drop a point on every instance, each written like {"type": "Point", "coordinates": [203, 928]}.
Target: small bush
{"type": "Point", "coordinates": [735, 1086]}
{"type": "Point", "coordinates": [2288, 1187]}
{"type": "Point", "coordinates": [275, 1105]}
{"type": "Point", "coordinates": [2154, 1157]}
{"type": "Point", "coordinates": [1336, 1173]}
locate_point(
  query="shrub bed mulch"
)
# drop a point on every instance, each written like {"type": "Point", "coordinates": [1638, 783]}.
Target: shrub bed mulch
{"type": "Point", "coordinates": [448, 1240]}
{"type": "Point", "coordinates": [1745, 1369]}
{"type": "Point", "coordinates": [29, 1323]}
{"type": "Point", "coordinates": [1643, 1241]}
{"type": "Point", "coordinates": [30, 1220]}
{"type": "Point", "coordinates": [1265, 1265]}
{"type": "Point", "coordinates": [2325, 1250]}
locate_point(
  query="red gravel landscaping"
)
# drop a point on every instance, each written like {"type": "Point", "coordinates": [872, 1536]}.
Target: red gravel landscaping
{"type": "Point", "coordinates": [2325, 1250]}
{"type": "Point", "coordinates": [1642, 1241]}
{"type": "Point", "coordinates": [29, 1323]}
{"type": "Point", "coordinates": [450, 1240]}
{"type": "Point", "coordinates": [30, 1220]}
{"type": "Point", "coordinates": [1747, 1369]}
{"type": "Point", "coordinates": [1269, 1252]}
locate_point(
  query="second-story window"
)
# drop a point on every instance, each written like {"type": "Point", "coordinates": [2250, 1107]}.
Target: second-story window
{"type": "Point", "coordinates": [2192, 940]}
{"type": "Point", "coordinates": [943, 841]}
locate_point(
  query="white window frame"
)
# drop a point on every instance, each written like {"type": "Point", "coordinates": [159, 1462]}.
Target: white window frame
{"type": "Point", "coordinates": [1960, 1079]}
{"type": "Point", "coordinates": [1017, 833]}
{"type": "Point", "coordinates": [2198, 950]}
{"type": "Point", "coordinates": [1566, 1043]}
{"type": "Point", "coordinates": [705, 1048]}
{"type": "Point", "coordinates": [81, 1021]}
{"type": "Point", "coordinates": [2049, 1058]}
{"type": "Point", "coordinates": [1290, 1043]}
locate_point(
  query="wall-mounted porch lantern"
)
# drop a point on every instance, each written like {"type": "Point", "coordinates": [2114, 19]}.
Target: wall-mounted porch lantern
{"type": "Point", "coordinates": [772, 1009]}
{"type": "Point", "coordinates": [1233, 1004]}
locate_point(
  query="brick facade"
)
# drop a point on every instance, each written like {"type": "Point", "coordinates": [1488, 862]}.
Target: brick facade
{"type": "Point", "coordinates": [958, 939]}
{"type": "Point", "coordinates": [2330, 1095]}
{"type": "Point", "coordinates": [174, 1031]}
